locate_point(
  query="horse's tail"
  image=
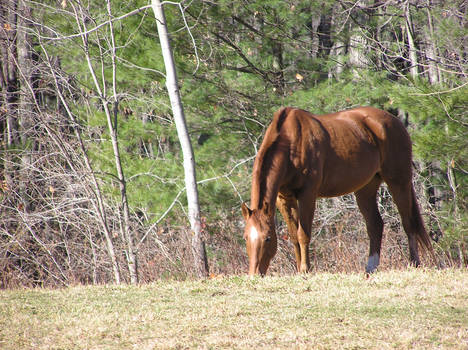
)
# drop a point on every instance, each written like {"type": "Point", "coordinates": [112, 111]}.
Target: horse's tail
{"type": "Point", "coordinates": [421, 234]}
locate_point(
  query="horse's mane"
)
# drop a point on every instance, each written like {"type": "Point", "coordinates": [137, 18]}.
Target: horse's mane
{"type": "Point", "coordinates": [262, 160]}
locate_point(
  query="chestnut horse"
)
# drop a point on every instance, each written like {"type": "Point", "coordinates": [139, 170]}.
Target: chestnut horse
{"type": "Point", "coordinates": [305, 156]}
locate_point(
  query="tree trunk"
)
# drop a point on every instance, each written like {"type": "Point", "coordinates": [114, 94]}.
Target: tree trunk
{"type": "Point", "coordinates": [132, 259]}
{"type": "Point", "coordinates": [412, 52]}
{"type": "Point", "coordinates": [315, 22]}
{"type": "Point", "coordinates": [198, 245]}
{"type": "Point", "coordinates": [9, 102]}
{"type": "Point", "coordinates": [338, 47]}
{"type": "Point", "coordinates": [357, 51]}
{"type": "Point", "coordinates": [26, 108]}
{"type": "Point", "coordinates": [431, 50]}
{"type": "Point", "coordinates": [277, 64]}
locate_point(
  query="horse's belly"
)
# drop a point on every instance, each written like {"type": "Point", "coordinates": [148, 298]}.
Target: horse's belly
{"type": "Point", "coordinates": [348, 177]}
{"type": "Point", "coordinates": [340, 189]}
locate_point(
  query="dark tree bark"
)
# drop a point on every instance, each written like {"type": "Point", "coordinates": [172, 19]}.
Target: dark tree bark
{"type": "Point", "coordinates": [26, 110]}
{"type": "Point", "coordinates": [9, 85]}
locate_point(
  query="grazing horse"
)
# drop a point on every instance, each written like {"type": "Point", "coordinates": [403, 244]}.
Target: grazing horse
{"type": "Point", "coordinates": [305, 156]}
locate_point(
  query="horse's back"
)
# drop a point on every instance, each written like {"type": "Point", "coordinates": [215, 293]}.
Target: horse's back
{"type": "Point", "coordinates": [358, 142]}
{"type": "Point", "coordinates": [378, 121]}
{"type": "Point", "coordinates": [381, 127]}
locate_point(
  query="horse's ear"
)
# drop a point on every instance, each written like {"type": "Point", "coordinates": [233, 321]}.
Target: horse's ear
{"type": "Point", "coordinates": [246, 211]}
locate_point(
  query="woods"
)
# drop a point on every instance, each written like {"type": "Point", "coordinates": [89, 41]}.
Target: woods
{"type": "Point", "coordinates": [92, 177]}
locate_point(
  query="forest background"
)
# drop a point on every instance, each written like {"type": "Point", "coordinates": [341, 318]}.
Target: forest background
{"type": "Point", "coordinates": [92, 185]}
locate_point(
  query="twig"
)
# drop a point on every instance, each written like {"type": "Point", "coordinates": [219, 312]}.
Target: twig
{"type": "Point", "coordinates": [176, 199]}
{"type": "Point", "coordinates": [89, 31]}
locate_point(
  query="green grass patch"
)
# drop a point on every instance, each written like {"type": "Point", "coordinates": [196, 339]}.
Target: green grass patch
{"type": "Point", "coordinates": [411, 309]}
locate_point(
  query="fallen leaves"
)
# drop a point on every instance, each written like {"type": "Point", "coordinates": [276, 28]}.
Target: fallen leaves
{"type": "Point", "coordinates": [299, 77]}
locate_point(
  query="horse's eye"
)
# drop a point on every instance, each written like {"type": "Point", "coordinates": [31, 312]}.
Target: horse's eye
{"type": "Point", "coordinates": [268, 239]}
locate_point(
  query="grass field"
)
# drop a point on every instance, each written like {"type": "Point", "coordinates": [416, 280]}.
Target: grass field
{"type": "Point", "coordinates": [410, 309]}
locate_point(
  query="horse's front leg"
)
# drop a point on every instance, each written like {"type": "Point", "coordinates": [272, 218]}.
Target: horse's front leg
{"type": "Point", "coordinates": [306, 216]}
{"type": "Point", "coordinates": [287, 205]}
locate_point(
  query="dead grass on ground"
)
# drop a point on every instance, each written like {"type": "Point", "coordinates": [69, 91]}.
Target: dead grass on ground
{"type": "Point", "coordinates": [398, 309]}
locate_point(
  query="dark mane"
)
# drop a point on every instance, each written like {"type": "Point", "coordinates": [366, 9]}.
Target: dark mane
{"type": "Point", "coordinates": [262, 160]}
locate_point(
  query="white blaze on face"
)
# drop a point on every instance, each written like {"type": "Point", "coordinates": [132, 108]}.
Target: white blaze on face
{"type": "Point", "coordinates": [253, 234]}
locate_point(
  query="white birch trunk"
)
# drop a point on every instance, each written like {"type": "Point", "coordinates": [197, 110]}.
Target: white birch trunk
{"type": "Point", "coordinates": [431, 51]}
{"type": "Point", "coordinates": [198, 247]}
{"type": "Point", "coordinates": [413, 57]}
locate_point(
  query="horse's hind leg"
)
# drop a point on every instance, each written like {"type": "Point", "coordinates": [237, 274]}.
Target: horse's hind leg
{"type": "Point", "coordinates": [367, 203]}
{"type": "Point", "coordinates": [405, 200]}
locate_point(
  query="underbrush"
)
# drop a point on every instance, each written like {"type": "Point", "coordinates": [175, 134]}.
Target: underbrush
{"type": "Point", "coordinates": [339, 244]}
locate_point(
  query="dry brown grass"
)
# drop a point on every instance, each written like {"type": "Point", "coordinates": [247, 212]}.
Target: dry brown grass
{"type": "Point", "coordinates": [410, 309]}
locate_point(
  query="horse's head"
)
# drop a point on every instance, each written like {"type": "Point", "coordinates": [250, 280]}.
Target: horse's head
{"type": "Point", "coordinates": [260, 238]}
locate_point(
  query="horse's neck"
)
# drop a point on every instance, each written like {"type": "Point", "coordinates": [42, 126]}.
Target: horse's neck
{"type": "Point", "coordinates": [266, 182]}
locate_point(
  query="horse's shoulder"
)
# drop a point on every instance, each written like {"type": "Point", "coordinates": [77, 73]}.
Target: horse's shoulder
{"type": "Point", "coordinates": [287, 120]}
